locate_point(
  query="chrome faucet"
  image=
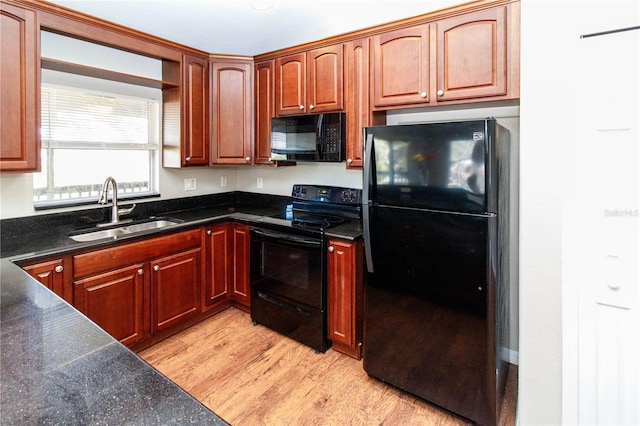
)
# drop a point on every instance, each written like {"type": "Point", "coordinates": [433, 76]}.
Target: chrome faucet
{"type": "Point", "coordinates": [115, 212]}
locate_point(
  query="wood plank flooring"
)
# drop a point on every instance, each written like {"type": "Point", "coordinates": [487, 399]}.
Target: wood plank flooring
{"type": "Point", "coordinates": [251, 375]}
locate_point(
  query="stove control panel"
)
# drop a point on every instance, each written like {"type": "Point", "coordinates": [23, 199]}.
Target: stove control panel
{"type": "Point", "coordinates": [327, 194]}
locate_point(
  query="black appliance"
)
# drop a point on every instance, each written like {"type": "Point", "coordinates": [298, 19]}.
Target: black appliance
{"type": "Point", "coordinates": [435, 219]}
{"type": "Point", "coordinates": [288, 262]}
{"type": "Point", "coordinates": [311, 137]}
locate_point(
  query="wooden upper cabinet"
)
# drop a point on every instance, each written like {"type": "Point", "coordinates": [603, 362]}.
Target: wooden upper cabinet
{"type": "Point", "coordinates": [19, 89]}
{"type": "Point", "coordinates": [356, 83]}
{"type": "Point", "coordinates": [400, 67]}
{"type": "Point", "coordinates": [472, 55]}
{"type": "Point", "coordinates": [231, 112]}
{"type": "Point", "coordinates": [264, 111]}
{"type": "Point", "coordinates": [186, 113]}
{"type": "Point", "coordinates": [325, 79]}
{"type": "Point", "coordinates": [310, 82]}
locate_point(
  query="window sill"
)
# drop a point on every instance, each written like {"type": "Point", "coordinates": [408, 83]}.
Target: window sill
{"type": "Point", "coordinates": [79, 203]}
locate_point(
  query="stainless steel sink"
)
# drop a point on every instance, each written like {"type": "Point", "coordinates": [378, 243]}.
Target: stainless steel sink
{"type": "Point", "coordinates": [94, 234]}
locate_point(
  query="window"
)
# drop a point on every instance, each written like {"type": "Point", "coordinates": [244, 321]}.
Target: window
{"type": "Point", "coordinates": [89, 136]}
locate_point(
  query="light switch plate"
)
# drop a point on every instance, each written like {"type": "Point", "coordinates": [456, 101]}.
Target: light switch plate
{"type": "Point", "coordinates": [223, 181]}
{"type": "Point", "coordinates": [259, 182]}
{"type": "Point", "coordinates": [190, 184]}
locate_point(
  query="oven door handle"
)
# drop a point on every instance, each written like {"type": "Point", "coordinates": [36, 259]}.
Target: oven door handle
{"type": "Point", "coordinates": [289, 238]}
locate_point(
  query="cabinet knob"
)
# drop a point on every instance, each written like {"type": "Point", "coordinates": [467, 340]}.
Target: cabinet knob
{"type": "Point", "coordinates": [311, 106]}
{"type": "Point", "coordinates": [208, 231]}
{"type": "Point", "coordinates": [156, 268]}
{"type": "Point", "coordinates": [140, 271]}
{"type": "Point", "coordinates": [247, 159]}
{"type": "Point", "coordinates": [187, 159]}
{"type": "Point", "coordinates": [440, 92]}
{"type": "Point", "coordinates": [59, 268]}
{"type": "Point", "coordinates": [423, 94]}
{"type": "Point", "coordinates": [331, 249]}
{"type": "Point", "coordinates": [301, 107]}
{"type": "Point", "coordinates": [349, 161]}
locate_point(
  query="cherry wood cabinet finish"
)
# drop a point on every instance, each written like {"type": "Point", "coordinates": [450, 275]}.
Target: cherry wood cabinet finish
{"type": "Point", "coordinates": [19, 89]}
{"type": "Point", "coordinates": [356, 85]}
{"type": "Point", "coordinates": [344, 296]}
{"type": "Point", "coordinates": [186, 113]}
{"type": "Point", "coordinates": [217, 265]}
{"type": "Point", "coordinates": [240, 266]}
{"type": "Point", "coordinates": [310, 82]}
{"type": "Point", "coordinates": [115, 300]}
{"type": "Point", "coordinates": [400, 67]}
{"type": "Point", "coordinates": [55, 274]}
{"type": "Point", "coordinates": [175, 288]}
{"type": "Point", "coordinates": [231, 112]}
{"type": "Point", "coordinates": [264, 110]}
{"type": "Point", "coordinates": [472, 55]}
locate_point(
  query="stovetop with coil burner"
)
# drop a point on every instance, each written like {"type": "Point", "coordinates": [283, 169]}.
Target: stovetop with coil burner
{"type": "Point", "coordinates": [318, 208]}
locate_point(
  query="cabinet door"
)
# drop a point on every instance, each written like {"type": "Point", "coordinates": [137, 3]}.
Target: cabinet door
{"type": "Point", "coordinates": [54, 274]}
{"type": "Point", "coordinates": [344, 296]}
{"type": "Point", "coordinates": [264, 111]}
{"type": "Point", "coordinates": [115, 301]}
{"type": "Point", "coordinates": [217, 261]}
{"type": "Point", "coordinates": [324, 79]}
{"type": "Point", "coordinates": [401, 67]}
{"type": "Point", "coordinates": [196, 101]}
{"type": "Point", "coordinates": [290, 84]}
{"type": "Point", "coordinates": [19, 90]}
{"type": "Point", "coordinates": [357, 98]}
{"type": "Point", "coordinates": [175, 288]}
{"type": "Point", "coordinates": [231, 112]}
{"type": "Point", "coordinates": [472, 55]}
{"type": "Point", "coordinates": [240, 269]}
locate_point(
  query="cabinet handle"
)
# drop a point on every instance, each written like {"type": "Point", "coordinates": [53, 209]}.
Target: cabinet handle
{"type": "Point", "coordinates": [156, 268]}
{"type": "Point", "coordinates": [247, 159]}
{"type": "Point", "coordinates": [187, 159]}
{"type": "Point", "coordinates": [58, 268]}
{"type": "Point", "coordinates": [349, 161]}
{"type": "Point", "coordinates": [331, 249]}
{"type": "Point", "coordinates": [140, 271]}
{"type": "Point", "coordinates": [208, 231]}
{"type": "Point", "coordinates": [301, 107]}
{"type": "Point", "coordinates": [311, 106]}
{"type": "Point", "coordinates": [440, 92]}
{"type": "Point", "coordinates": [423, 94]}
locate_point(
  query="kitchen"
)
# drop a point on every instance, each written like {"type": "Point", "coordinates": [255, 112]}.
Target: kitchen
{"type": "Point", "coordinates": [548, 269]}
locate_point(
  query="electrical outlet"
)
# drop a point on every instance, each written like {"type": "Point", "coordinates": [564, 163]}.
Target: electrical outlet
{"type": "Point", "coordinates": [223, 181]}
{"type": "Point", "coordinates": [259, 182]}
{"type": "Point", "coordinates": [190, 184]}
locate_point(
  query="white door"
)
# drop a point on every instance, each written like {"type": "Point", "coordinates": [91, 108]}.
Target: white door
{"type": "Point", "coordinates": [606, 181]}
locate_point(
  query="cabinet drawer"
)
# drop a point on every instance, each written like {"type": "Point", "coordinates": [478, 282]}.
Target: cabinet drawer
{"type": "Point", "coordinates": [121, 255]}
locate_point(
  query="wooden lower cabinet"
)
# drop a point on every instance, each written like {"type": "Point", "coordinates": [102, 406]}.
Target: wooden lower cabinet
{"type": "Point", "coordinates": [136, 290]}
{"type": "Point", "coordinates": [175, 288]}
{"type": "Point", "coordinates": [240, 266]}
{"type": "Point", "coordinates": [55, 274]}
{"type": "Point", "coordinates": [345, 296]}
{"type": "Point", "coordinates": [217, 265]}
{"type": "Point", "coordinates": [115, 301]}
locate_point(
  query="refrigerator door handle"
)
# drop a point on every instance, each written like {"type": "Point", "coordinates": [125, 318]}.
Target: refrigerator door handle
{"type": "Point", "coordinates": [368, 159]}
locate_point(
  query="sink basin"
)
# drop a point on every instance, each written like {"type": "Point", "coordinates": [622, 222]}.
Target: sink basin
{"type": "Point", "coordinates": [94, 234]}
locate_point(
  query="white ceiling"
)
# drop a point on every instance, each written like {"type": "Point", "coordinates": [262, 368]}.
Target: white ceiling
{"type": "Point", "coordinates": [250, 27]}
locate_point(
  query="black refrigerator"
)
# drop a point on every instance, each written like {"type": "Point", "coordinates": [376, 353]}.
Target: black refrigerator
{"type": "Point", "coordinates": [435, 218]}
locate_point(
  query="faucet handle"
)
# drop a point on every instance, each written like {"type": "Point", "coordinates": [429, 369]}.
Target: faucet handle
{"type": "Point", "coordinates": [126, 211]}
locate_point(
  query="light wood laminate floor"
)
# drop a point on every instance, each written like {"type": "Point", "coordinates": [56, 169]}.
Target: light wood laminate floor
{"type": "Point", "coordinates": [251, 375]}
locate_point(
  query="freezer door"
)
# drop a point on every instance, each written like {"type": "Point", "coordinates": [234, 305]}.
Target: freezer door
{"type": "Point", "coordinates": [428, 329]}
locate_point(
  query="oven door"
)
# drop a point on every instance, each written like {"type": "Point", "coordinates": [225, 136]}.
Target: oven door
{"type": "Point", "coordinates": [288, 265]}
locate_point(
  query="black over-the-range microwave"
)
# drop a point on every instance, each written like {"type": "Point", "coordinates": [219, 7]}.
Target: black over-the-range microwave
{"type": "Point", "coordinates": [311, 137]}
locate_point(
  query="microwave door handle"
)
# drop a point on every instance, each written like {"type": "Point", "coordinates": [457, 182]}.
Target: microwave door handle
{"type": "Point", "coordinates": [366, 202]}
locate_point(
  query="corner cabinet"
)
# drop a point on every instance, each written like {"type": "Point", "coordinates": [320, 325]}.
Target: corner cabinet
{"type": "Point", "coordinates": [186, 113]}
{"type": "Point", "coordinates": [264, 111]}
{"type": "Point", "coordinates": [345, 296]}
{"type": "Point", "coordinates": [240, 266]}
{"type": "Point", "coordinates": [217, 265]}
{"type": "Point", "coordinates": [55, 274]}
{"type": "Point", "coordinates": [231, 112]}
{"type": "Point", "coordinates": [310, 82]}
{"type": "Point", "coordinates": [19, 89]}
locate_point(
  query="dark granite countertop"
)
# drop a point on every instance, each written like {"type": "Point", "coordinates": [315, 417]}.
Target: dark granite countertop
{"type": "Point", "coordinates": [57, 367]}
